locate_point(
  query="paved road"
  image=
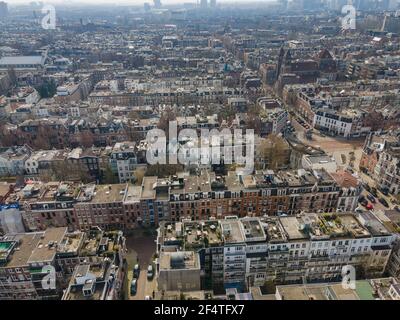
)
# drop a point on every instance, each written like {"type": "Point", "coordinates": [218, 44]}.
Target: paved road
{"type": "Point", "coordinates": [333, 146]}
{"type": "Point", "coordinates": [377, 206]}
{"type": "Point", "coordinates": [144, 286]}
{"type": "Point", "coordinates": [141, 249]}
{"type": "Point", "coordinates": [144, 247]}
{"type": "Point", "coordinates": [327, 143]}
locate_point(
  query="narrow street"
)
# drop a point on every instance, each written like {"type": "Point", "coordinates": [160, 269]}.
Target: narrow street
{"type": "Point", "coordinates": [377, 206]}
{"type": "Point", "coordinates": [144, 286]}
{"type": "Point", "coordinates": [141, 249]}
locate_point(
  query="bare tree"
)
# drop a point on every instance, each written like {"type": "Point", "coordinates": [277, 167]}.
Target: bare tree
{"type": "Point", "coordinates": [66, 170]}
{"type": "Point", "coordinates": [274, 152]}
{"type": "Point", "coordinates": [86, 138]}
{"type": "Point", "coordinates": [7, 139]}
{"type": "Point", "coordinates": [167, 116]}
{"type": "Point", "coordinates": [163, 170]}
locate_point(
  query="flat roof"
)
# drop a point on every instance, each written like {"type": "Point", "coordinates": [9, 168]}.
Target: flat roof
{"type": "Point", "coordinates": [232, 231]}
{"type": "Point", "coordinates": [179, 260]}
{"type": "Point", "coordinates": [44, 251]}
{"type": "Point", "coordinates": [322, 291]}
{"type": "Point", "coordinates": [132, 194]}
{"type": "Point", "coordinates": [22, 60]}
{"type": "Point", "coordinates": [71, 242]}
{"type": "Point", "coordinates": [291, 226]}
{"type": "Point", "coordinates": [148, 191]}
{"type": "Point", "coordinates": [320, 158]}
{"type": "Point", "coordinates": [253, 230]}
{"type": "Point", "coordinates": [109, 193]}
{"type": "Point", "coordinates": [193, 234]}
{"type": "Point", "coordinates": [212, 231]}
{"type": "Point", "coordinates": [374, 226]}
{"type": "Point", "coordinates": [364, 290]}
{"type": "Point", "coordinates": [273, 230]}
{"type": "Point", "coordinates": [23, 251]}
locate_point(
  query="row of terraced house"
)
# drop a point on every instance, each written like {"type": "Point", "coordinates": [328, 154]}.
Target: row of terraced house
{"type": "Point", "coordinates": [39, 205]}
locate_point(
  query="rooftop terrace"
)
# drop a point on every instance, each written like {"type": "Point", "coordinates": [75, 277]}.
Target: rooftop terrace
{"type": "Point", "coordinates": [212, 233]}
{"type": "Point", "coordinates": [193, 233]}
{"type": "Point", "coordinates": [274, 230]}
{"type": "Point", "coordinates": [253, 230]}
{"type": "Point", "coordinates": [232, 231]}
{"type": "Point", "coordinates": [109, 193]}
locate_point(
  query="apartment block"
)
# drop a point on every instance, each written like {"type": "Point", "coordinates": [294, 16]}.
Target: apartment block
{"type": "Point", "coordinates": [40, 265]}
{"type": "Point", "coordinates": [237, 253]}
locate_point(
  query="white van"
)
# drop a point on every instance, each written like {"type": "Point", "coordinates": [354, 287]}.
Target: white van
{"type": "Point", "coordinates": [150, 272]}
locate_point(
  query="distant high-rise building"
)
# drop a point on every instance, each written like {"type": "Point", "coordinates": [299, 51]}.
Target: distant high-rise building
{"type": "Point", "coordinates": [213, 3]}
{"type": "Point", "coordinates": [394, 4]}
{"type": "Point", "coordinates": [146, 7]}
{"type": "Point", "coordinates": [338, 4]}
{"type": "Point", "coordinates": [3, 9]}
{"type": "Point", "coordinates": [312, 5]}
{"type": "Point", "coordinates": [295, 5]}
{"type": "Point", "coordinates": [157, 4]}
{"type": "Point", "coordinates": [203, 4]}
{"type": "Point", "coordinates": [283, 4]}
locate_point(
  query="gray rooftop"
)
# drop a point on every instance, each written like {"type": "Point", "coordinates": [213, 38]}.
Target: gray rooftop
{"type": "Point", "coordinates": [22, 60]}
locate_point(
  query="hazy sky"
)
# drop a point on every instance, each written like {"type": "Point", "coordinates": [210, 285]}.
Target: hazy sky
{"type": "Point", "coordinates": [124, 2]}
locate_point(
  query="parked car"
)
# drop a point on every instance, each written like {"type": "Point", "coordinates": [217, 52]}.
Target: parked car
{"type": "Point", "coordinates": [367, 187]}
{"type": "Point", "coordinates": [384, 202]}
{"type": "Point", "coordinates": [364, 202]}
{"type": "Point", "coordinates": [384, 191]}
{"type": "Point", "coordinates": [369, 206]}
{"type": "Point", "coordinates": [136, 271]}
{"type": "Point", "coordinates": [374, 192]}
{"type": "Point", "coordinates": [361, 199]}
{"type": "Point", "coordinates": [150, 272]}
{"type": "Point", "coordinates": [371, 198]}
{"type": "Point", "coordinates": [364, 170]}
{"type": "Point", "coordinates": [350, 170]}
{"type": "Point", "coordinates": [397, 208]}
{"type": "Point", "coordinates": [133, 287]}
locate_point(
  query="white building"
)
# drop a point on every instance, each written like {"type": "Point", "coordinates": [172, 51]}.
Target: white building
{"type": "Point", "coordinates": [291, 249]}
{"type": "Point", "coordinates": [12, 160]}
{"type": "Point", "coordinates": [11, 219]}
{"type": "Point", "coordinates": [39, 160]}
{"type": "Point", "coordinates": [317, 162]}
{"type": "Point", "coordinates": [345, 124]}
{"type": "Point", "coordinates": [123, 161]}
{"type": "Point", "coordinates": [22, 62]}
